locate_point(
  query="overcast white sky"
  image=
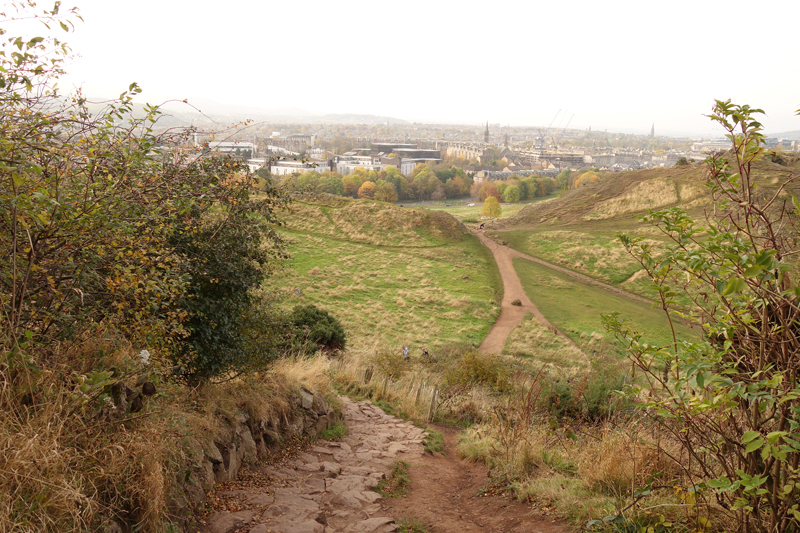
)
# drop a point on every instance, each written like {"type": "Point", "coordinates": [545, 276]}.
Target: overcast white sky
{"type": "Point", "coordinates": [620, 65]}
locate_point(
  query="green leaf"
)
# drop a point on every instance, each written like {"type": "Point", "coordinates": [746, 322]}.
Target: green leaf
{"type": "Point", "coordinates": [749, 436]}
{"type": "Point", "coordinates": [719, 483]}
{"type": "Point", "coordinates": [755, 445]}
{"type": "Point", "coordinates": [773, 436]}
{"type": "Point", "coordinates": [753, 271]}
{"type": "Point", "coordinates": [735, 286]}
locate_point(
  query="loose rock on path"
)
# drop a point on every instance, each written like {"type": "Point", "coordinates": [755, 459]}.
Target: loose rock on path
{"type": "Point", "coordinates": [331, 488]}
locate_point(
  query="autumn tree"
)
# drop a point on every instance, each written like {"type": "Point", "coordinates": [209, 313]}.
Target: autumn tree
{"type": "Point", "coordinates": [386, 193]}
{"type": "Point", "coordinates": [367, 190]}
{"type": "Point", "coordinates": [488, 189]}
{"type": "Point", "coordinates": [491, 207]}
{"type": "Point", "coordinates": [511, 194]}
{"type": "Point", "coordinates": [438, 193]}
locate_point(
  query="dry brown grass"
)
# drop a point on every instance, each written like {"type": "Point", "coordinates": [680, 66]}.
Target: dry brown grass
{"type": "Point", "coordinates": [650, 194]}
{"type": "Point", "coordinates": [530, 339]}
{"type": "Point", "coordinates": [618, 462]}
{"type": "Point", "coordinates": [69, 467]}
{"type": "Point", "coordinates": [72, 462]}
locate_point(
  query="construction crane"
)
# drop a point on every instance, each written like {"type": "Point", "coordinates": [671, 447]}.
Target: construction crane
{"type": "Point", "coordinates": [556, 135]}
{"type": "Point", "coordinates": [544, 134]}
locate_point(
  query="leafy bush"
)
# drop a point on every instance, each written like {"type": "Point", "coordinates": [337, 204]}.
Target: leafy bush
{"type": "Point", "coordinates": [108, 226]}
{"type": "Point", "coordinates": [317, 329]}
{"type": "Point", "coordinates": [732, 401]}
{"type": "Point", "coordinates": [595, 397]}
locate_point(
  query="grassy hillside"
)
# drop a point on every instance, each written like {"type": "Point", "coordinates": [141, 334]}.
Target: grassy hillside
{"type": "Point", "coordinates": [626, 195]}
{"type": "Point", "coordinates": [393, 275]}
{"type": "Point", "coordinates": [575, 308]}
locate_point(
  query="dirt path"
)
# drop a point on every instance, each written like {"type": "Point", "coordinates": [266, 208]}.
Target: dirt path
{"type": "Point", "coordinates": [510, 315]}
{"type": "Point", "coordinates": [448, 496]}
{"type": "Point", "coordinates": [331, 488]}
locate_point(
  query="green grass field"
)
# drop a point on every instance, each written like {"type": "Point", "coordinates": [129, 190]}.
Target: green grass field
{"type": "Point", "coordinates": [432, 286]}
{"type": "Point", "coordinates": [593, 249]}
{"type": "Point", "coordinates": [539, 347]}
{"type": "Point", "coordinates": [575, 308]}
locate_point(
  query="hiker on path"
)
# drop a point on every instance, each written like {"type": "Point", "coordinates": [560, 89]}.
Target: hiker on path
{"type": "Point", "coordinates": [405, 353]}
{"type": "Point", "coordinates": [425, 355]}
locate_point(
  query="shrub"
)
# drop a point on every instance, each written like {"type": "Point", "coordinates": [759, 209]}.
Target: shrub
{"type": "Point", "coordinates": [317, 329]}
{"type": "Point", "coordinates": [107, 226]}
{"type": "Point", "coordinates": [732, 401]}
{"type": "Point", "coordinates": [476, 368]}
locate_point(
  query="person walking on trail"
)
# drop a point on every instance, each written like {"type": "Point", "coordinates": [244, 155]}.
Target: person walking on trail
{"type": "Point", "coordinates": [425, 354]}
{"type": "Point", "coordinates": [405, 353]}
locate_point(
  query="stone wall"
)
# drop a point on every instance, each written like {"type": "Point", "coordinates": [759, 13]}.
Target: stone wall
{"type": "Point", "coordinates": [244, 441]}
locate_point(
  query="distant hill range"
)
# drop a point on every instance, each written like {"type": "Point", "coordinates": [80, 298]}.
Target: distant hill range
{"type": "Point", "coordinates": [793, 135]}
{"type": "Point", "coordinates": [198, 110]}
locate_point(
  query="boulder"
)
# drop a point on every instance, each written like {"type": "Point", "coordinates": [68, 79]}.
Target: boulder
{"type": "Point", "coordinates": [306, 398]}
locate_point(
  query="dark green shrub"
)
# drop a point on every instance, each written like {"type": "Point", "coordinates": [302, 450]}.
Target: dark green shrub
{"type": "Point", "coordinates": [559, 399]}
{"type": "Point", "coordinates": [318, 329]}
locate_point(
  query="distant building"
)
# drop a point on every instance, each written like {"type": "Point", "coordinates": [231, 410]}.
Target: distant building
{"type": "Point", "coordinates": [284, 168]}
{"type": "Point", "coordinates": [242, 149]}
{"type": "Point", "coordinates": [713, 145]}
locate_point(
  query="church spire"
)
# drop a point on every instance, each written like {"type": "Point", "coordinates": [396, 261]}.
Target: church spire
{"type": "Point", "coordinates": [486, 133]}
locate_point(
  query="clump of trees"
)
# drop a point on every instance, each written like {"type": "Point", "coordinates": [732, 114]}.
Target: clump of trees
{"type": "Point", "coordinates": [516, 188]}
{"type": "Point", "coordinates": [424, 183]}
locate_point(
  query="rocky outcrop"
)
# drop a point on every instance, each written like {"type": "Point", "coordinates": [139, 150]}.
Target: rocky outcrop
{"type": "Point", "coordinates": [244, 441]}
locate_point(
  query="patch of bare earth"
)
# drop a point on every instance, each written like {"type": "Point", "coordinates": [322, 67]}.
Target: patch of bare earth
{"type": "Point", "coordinates": [449, 495]}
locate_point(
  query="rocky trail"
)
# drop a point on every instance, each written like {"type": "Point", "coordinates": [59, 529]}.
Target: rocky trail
{"type": "Point", "coordinates": [330, 488]}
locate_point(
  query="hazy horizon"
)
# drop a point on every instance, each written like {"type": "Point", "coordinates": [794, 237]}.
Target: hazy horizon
{"type": "Point", "coordinates": [620, 66]}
